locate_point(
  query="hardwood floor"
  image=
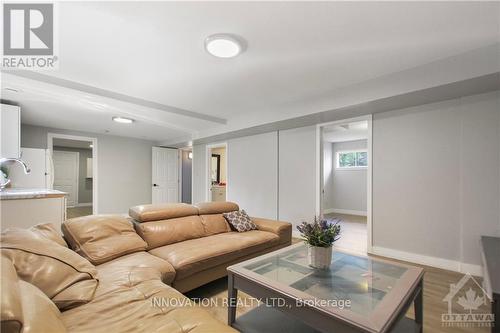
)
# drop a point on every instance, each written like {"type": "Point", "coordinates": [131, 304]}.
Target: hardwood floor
{"type": "Point", "coordinates": [78, 211]}
{"type": "Point", "coordinates": [353, 236]}
{"type": "Point", "coordinates": [436, 287]}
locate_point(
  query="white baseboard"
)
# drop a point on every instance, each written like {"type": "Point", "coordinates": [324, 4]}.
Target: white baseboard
{"type": "Point", "coordinates": [451, 265]}
{"type": "Point", "coordinates": [83, 204]}
{"type": "Point", "coordinates": [345, 211]}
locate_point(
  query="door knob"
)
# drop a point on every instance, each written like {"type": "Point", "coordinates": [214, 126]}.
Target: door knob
{"type": "Point", "coordinates": [155, 185]}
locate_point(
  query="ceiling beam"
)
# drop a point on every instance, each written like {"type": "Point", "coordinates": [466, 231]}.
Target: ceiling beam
{"type": "Point", "coordinates": [478, 85]}
{"type": "Point", "coordinates": [114, 95]}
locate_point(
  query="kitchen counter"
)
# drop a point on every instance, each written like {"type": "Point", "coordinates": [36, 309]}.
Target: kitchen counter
{"type": "Point", "coordinates": [30, 193]}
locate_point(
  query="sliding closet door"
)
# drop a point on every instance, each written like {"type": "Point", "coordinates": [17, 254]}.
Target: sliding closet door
{"type": "Point", "coordinates": [252, 171]}
{"type": "Point", "coordinates": [297, 175]}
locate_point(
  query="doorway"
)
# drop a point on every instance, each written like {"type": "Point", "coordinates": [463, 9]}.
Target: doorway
{"type": "Point", "coordinates": [165, 175]}
{"type": "Point", "coordinates": [217, 172]}
{"type": "Point", "coordinates": [344, 182]}
{"type": "Point", "coordinates": [186, 174]}
{"type": "Point", "coordinates": [74, 171]}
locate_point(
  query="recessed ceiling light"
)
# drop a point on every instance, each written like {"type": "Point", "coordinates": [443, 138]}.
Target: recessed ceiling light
{"type": "Point", "coordinates": [223, 45]}
{"type": "Point", "coordinates": [123, 120]}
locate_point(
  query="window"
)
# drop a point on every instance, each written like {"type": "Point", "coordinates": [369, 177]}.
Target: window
{"type": "Point", "coordinates": [352, 159]}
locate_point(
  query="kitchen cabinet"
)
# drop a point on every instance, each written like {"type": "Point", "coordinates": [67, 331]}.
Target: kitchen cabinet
{"type": "Point", "coordinates": [10, 125]}
{"type": "Point", "coordinates": [89, 168]}
{"type": "Point", "coordinates": [23, 208]}
{"type": "Point", "coordinates": [218, 193]}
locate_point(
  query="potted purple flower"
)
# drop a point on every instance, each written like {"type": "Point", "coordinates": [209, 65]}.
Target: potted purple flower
{"type": "Point", "coordinates": [319, 237]}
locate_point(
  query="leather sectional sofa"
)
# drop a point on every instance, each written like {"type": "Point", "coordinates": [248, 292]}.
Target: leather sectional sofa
{"type": "Point", "coordinates": [115, 273]}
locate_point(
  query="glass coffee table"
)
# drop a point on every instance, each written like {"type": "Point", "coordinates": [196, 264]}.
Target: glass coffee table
{"type": "Point", "coordinates": [357, 294]}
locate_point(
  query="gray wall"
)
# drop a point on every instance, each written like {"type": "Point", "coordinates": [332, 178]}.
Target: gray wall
{"type": "Point", "coordinates": [297, 175]}
{"type": "Point", "coordinates": [124, 166]}
{"type": "Point", "coordinates": [84, 183]}
{"type": "Point", "coordinates": [344, 189]}
{"type": "Point", "coordinates": [186, 177]}
{"type": "Point", "coordinates": [436, 177]}
{"type": "Point", "coordinates": [252, 164]}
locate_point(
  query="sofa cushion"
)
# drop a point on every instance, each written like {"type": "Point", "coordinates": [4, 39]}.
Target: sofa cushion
{"type": "Point", "coordinates": [101, 238]}
{"type": "Point", "coordinates": [10, 298]}
{"type": "Point", "coordinates": [240, 221]}
{"type": "Point", "coordinates": [196, 255]}
{"type": "Point", "coordinates": [135, 260]}
{"type": "Point", "coordinates": [147, 306]}
{"type": "Point", "coordinates": [164, 232]}
{"type": "Point", "coordinates": [214, 224]}
{"type": "Point", "coordinates": [77, 294]}
{"type": "Point", "coordinates": [216, 207]}
{"type": "Point", "coordinates": [39, 313]}
{"type": "Point", "coordinates": [49, 231]}
{"type": "Point", "coordinates": [47, 265]}
{"type": "Point", "coordinates": [155, 212]}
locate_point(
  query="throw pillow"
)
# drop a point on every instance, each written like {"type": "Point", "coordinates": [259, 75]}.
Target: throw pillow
{"type": "Point", "coordinates": [240, 221]}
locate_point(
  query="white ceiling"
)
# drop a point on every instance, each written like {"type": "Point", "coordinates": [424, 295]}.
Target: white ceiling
{"type": "Point", "coordinates": [346, 132]}
{"type": "Point", "coordinates": [296, 50]}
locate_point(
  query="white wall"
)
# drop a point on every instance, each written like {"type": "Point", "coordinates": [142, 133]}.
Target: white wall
{"type": "Point", "coordinates": [436, 179]}
{"type": "Point", "coordinates": [253, 174]}
{"type": "Point", "coordinates": [297, 175]}
{"type": "Point", "coordinates": [124, 167]}
{"type": "Point", "coordinates": [200, 174]}
{"type": "Point", "coordinates": [345, 189]}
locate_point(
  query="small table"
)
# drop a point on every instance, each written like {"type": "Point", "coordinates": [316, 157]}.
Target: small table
{"type": "Point", "coordinates": [490, 250]}
{"type": "Point", "coordinates": [380, 292]}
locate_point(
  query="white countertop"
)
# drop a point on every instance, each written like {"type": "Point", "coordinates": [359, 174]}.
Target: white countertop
{"type": "Point", "coordinates": [29, 193]}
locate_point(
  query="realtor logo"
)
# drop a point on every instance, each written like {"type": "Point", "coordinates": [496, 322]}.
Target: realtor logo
{"type": "Point", "coordinates": [28, 36]}
{"type": "Point", "coordinates": [472, 305]}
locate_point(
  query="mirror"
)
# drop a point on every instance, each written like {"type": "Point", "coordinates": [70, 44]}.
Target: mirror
{"type": "Point", "coordinates": [215, 169]}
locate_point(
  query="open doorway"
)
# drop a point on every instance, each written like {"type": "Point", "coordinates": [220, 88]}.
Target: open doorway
{"type": "Point", "coordinates": [217, 172]}
{"type": "Point", "coordinates": [345, 184]}
{"type": "Point", "coordinates": [186, 172]}
{"type": "Point", "coordinates": [74, 171]}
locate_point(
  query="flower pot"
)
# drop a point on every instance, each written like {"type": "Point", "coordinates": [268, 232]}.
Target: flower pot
{"type": "Point", "coordinates": [319, 257]}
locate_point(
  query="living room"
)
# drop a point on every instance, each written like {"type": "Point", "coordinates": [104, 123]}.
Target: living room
{"type": "Point", "coordinates": [196, 179]}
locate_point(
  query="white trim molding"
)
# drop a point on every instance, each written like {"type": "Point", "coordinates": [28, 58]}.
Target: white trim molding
{"type": "Point", "coordinates": [451, 265]}
{"type": "Point", "coordinates": [345, 211]}
{"type": "Point", "coordinates": [95, 183]}
{"type": "Point", "coordinates": [84, 204]}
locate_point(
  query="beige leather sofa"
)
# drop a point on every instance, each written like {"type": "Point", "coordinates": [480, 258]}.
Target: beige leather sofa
{"type": "Point", "coordinates": [199, 243]}
{"type": "Point", "coordinates": [111, 273]}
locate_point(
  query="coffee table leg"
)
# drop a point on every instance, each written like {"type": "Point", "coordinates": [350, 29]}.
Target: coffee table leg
{"type": "Point", "coordinates": [232, 295]}
{"type": "Point", "coordinates": [418, 305]}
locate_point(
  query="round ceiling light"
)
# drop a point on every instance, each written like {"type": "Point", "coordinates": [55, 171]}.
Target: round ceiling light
{"type": "Point", "coordinates": [223, 46]}
{"type": "Point", "coordinates": [123, 120]}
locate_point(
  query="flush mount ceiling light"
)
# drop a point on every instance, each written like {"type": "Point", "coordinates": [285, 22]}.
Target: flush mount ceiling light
{"type": "Point", "coordinates": [123, 120]}
{"type": "Point", "coordinates": [223, 45]}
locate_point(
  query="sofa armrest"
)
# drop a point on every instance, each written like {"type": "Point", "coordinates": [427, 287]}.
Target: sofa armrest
{"type": "Point", "coordinates": [280, 228]}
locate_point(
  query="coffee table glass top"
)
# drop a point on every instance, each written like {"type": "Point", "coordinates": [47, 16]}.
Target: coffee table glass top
{"type": "Point", "coordinates": [375, 289]}
{"type": "Point", "coordinates": [359, 279]}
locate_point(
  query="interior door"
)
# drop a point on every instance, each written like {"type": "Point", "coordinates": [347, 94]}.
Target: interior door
{"type": "Point", "coordinates": [165, 178]}
{"type": "Point", "coordinates": [66, 174]}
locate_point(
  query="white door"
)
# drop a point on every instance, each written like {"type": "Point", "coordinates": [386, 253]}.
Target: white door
{"type": "Point", "coordinates": [165, 180]}
{"type": "Point", "coordinates": [66, 174]}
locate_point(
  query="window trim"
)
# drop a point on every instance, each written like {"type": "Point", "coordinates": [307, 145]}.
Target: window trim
{"type": "Point", "coordinates": [357, 167]}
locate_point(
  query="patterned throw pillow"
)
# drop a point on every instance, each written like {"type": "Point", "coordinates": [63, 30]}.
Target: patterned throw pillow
{"type": "Point", "coordinates": [240, 220]}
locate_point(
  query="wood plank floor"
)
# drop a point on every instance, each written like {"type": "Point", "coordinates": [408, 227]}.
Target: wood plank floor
{"type": "Point", "coordinates": [72, 212]}
{"type": "Point", "coordinates": [436, 287]}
